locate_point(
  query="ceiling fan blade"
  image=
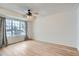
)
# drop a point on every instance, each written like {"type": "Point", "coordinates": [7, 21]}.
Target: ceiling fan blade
{"type": "Point", "coordinates": [36, 13]}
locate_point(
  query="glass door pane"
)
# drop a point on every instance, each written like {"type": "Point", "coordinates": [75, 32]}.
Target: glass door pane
{"type": "Point", "coordinates": [15, 30]}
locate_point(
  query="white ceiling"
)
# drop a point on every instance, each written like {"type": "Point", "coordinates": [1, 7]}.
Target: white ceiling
{"type": "Point", "coordinates": [43, 9]}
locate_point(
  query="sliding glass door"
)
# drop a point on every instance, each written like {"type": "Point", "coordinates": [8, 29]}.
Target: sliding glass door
{"type": "Point", "coordinates": [15, 30]}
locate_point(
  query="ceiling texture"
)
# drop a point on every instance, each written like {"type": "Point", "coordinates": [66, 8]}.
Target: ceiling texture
{"type": "Point", "coordinates": [43, 9]}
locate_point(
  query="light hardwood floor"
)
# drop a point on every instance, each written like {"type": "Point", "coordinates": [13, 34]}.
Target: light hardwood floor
{"type": "Point", "coordinates": [37, 48]}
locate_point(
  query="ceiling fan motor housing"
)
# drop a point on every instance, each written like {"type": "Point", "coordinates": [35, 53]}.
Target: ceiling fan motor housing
{"type": "Point", "coordinates": [29, 13]}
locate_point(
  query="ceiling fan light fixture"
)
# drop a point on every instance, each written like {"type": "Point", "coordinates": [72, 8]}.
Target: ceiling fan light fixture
{"type": "Point", "coordinates": [29, 16]}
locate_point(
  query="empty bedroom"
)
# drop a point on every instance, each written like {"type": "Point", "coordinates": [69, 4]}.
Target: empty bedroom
{"type": "Point", "coordinates": [39, 29]}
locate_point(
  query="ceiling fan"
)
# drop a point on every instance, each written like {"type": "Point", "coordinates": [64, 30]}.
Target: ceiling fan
{"type": "Point", "coordinates": [30, 13]}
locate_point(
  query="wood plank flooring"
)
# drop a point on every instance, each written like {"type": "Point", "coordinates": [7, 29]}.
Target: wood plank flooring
{"type": "Point", "coordinates": [37, 48]}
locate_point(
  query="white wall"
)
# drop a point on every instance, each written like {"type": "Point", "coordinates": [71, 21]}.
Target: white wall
{"type": "Point", "coordinates": [59, 28]}
{"type": "Point", "coordinates": [78, 27]}
{"type": "Point", "coordinates": [30, 29]}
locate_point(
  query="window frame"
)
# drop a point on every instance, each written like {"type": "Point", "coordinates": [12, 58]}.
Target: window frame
{"type": "Point", "coordinates": [19, 27]}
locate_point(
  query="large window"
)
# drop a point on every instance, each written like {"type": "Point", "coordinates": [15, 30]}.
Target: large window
{"type": "Point", "coordinates": [15, 27]}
